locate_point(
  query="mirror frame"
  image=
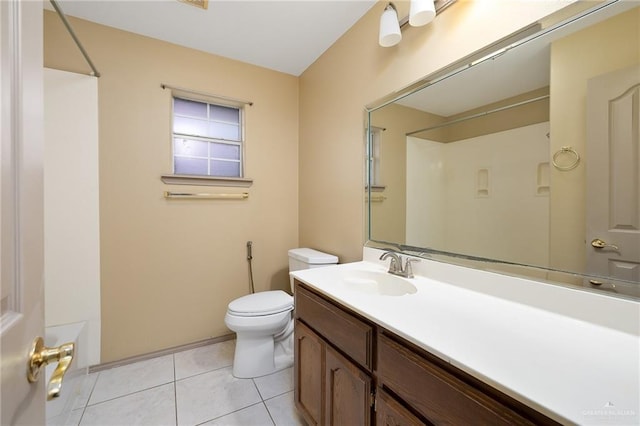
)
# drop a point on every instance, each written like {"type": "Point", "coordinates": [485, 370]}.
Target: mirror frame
{"type": "Point", "coordinates": [552, 22]}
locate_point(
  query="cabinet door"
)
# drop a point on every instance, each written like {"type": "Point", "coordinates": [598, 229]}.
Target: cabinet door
{"type": "Point", "coordinates": [308, 368]}
{"type": "Point", "coordinates": [348, 396]}
{"type": "Point", "coordinates": [389, 412]}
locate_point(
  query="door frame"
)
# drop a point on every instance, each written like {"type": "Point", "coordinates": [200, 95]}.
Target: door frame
{"type": "Point", "coordinates": [21, 208]}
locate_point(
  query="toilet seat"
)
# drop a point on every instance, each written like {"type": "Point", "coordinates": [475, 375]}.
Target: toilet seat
{"type": "Point", "coordinates": [262, 303]}
{"type": "Point", "coordinates": [264, 325]}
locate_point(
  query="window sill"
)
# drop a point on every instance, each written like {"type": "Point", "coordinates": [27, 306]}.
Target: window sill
{"type": "Point", "coordinates": [206, 180]}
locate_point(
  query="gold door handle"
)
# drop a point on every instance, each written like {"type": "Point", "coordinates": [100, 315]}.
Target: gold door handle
{"type": "Point", "coordinates": [40, 355]}
{"type": "Point", "coordinates": [599, 244]}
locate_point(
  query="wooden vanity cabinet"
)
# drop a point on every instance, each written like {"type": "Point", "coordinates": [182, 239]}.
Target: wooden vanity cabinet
{"type": "Point", "coordinates": [389, 412]}
{"type": "Point", "coordinates": [443, 394]}
{"type": "Point", "coordinates": [332, 369]}
{"type": "Point", "coordinates": [308, 371]}
{"type": "Point", "coordinates": [348, 391]}
{"type": "Point", "coordinates": [348, 371]}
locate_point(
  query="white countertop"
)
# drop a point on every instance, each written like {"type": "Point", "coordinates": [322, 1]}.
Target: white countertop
{"type": "Point", "coordinates": [572, 355]}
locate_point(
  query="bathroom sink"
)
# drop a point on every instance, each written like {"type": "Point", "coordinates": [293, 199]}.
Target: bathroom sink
{"type": "Point", "coordinates": [380, 283]}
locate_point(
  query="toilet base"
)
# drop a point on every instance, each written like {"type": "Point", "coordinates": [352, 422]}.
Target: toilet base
{"type": "Point", "coordinates": [283, 355]}
{"type": "Point", "coordinates": [264, 343]}
{"type": "Point", "coordinates": [260, 356]}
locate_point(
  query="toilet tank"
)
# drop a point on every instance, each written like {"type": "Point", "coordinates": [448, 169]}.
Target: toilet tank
{"type": "Point", "coordinates": [306, 258]}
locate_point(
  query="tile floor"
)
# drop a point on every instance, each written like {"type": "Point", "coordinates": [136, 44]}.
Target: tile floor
{"type": "Point", "coordinates": [193, 387]}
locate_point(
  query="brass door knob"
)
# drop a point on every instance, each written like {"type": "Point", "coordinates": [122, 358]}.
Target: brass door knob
{"type": "Point", "coordinates": [40, 356]}
{"type": "Point", "coordinates": [599, 244]}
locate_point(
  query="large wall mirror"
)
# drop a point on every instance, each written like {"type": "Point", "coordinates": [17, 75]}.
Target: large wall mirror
{"type": "Point", "coordinates": [524, 157]}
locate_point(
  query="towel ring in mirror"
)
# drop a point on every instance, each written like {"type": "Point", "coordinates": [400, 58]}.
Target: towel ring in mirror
{"type": "Point", "coordinates": [566, 150]}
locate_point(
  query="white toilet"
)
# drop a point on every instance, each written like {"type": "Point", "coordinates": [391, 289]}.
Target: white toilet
{"type": "Point", "coordinates": [263, 322]}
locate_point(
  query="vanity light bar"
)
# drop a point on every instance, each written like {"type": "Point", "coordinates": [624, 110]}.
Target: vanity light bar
{"type": "Point", "coordinates": [440, 6]}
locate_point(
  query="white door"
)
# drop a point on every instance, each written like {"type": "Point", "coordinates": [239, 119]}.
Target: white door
{"type": "Point", "coordinates": [21, 215]}
{"type": "Point", "coordinates": [613, 178]}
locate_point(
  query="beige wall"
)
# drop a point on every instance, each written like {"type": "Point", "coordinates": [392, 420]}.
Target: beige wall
{"type": "Point", "coordinates": [355, 72]}
{"type": "Point", "coordinates": [605, 47]}
{"type": "Point", "coordinates": [388, 222]}
{"type": "Point", "coordinates": [170, 267]}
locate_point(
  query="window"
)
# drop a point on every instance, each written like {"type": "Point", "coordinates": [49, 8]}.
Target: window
{"type": "Point", "coordinates": [207, 139]}
{"type": "Point", "coordinates": [373, 158]}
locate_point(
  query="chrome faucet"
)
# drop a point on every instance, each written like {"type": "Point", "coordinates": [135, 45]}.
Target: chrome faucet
{"type": "Point", "coordinates": [395, 265]}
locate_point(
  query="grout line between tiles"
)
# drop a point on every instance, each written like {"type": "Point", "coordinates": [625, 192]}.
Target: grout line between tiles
{"type": "Point", "coordinates": [93, 388]}
{"type": "Point", "coordinates": [160, 353]}
{"type": "Point", "coordinates": [70, 415]}
{"type": "Point", "coordinates": [257, 388]}
{"type": "Point", "coordinates": [175, 390]}
{"type": "Point", "coordinates": [207, 372]}
{"type": "Point", "coordinates": [278, 395]}
{"type": "Point", "coordinates": [203, 372]}
{"type": "Point", "coordinates": [231, 412]}
{"type": "Point", "coordinates": [132, 393]}
{"type": "Point", "coordinates": [90, 393]}
{"type": "Point", "coordinates": [269, 413]}
{"type": "Point", "coordinates": [174, 382]}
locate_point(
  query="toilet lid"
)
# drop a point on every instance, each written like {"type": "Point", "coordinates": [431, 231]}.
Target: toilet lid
{"type": "Point", "coordinates": [262, 303]}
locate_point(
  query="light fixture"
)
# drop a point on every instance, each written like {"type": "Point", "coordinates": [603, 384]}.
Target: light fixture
{"type": "Point", "coordinates": [421, 12]}
{"type": "Point", "coordinates": [202, 4]}
{"type": "Point", "coordinates": [390, 34]}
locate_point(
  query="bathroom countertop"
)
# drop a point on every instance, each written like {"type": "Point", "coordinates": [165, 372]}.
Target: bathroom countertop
{"type": "Point", "coordinates": [573, 366]}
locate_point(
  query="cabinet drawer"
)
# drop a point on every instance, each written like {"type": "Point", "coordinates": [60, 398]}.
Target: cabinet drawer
{"type": "Point", "coordinates": [346, 332]}
{"type": "Point", "coordinates": [389, 412]}
{"type": "Point", "coordinates": [435, 393]}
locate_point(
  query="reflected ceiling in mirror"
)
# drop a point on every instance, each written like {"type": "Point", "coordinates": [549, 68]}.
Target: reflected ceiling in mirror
{"type": "Point", "coordinates": [527, 154]}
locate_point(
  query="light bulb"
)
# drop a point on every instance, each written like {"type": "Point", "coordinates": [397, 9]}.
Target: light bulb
{"type": "Point", "coordinates": [390, 34]}
{"type": "Point", "coordinates": [421, 12]}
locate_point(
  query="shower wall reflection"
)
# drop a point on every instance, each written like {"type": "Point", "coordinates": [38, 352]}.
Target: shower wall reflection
{"type": "Point", "coordinates": [467, 163]}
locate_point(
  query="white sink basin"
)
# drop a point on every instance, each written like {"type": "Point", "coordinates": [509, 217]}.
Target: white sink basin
{"type": "Point", "coordinates": [378, 283]}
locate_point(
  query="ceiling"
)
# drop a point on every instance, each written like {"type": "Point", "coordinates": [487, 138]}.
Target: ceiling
{"type": "Point", "coordinates": [511, 72]}
{"type": "Point", "coordinates": [286, 36]}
